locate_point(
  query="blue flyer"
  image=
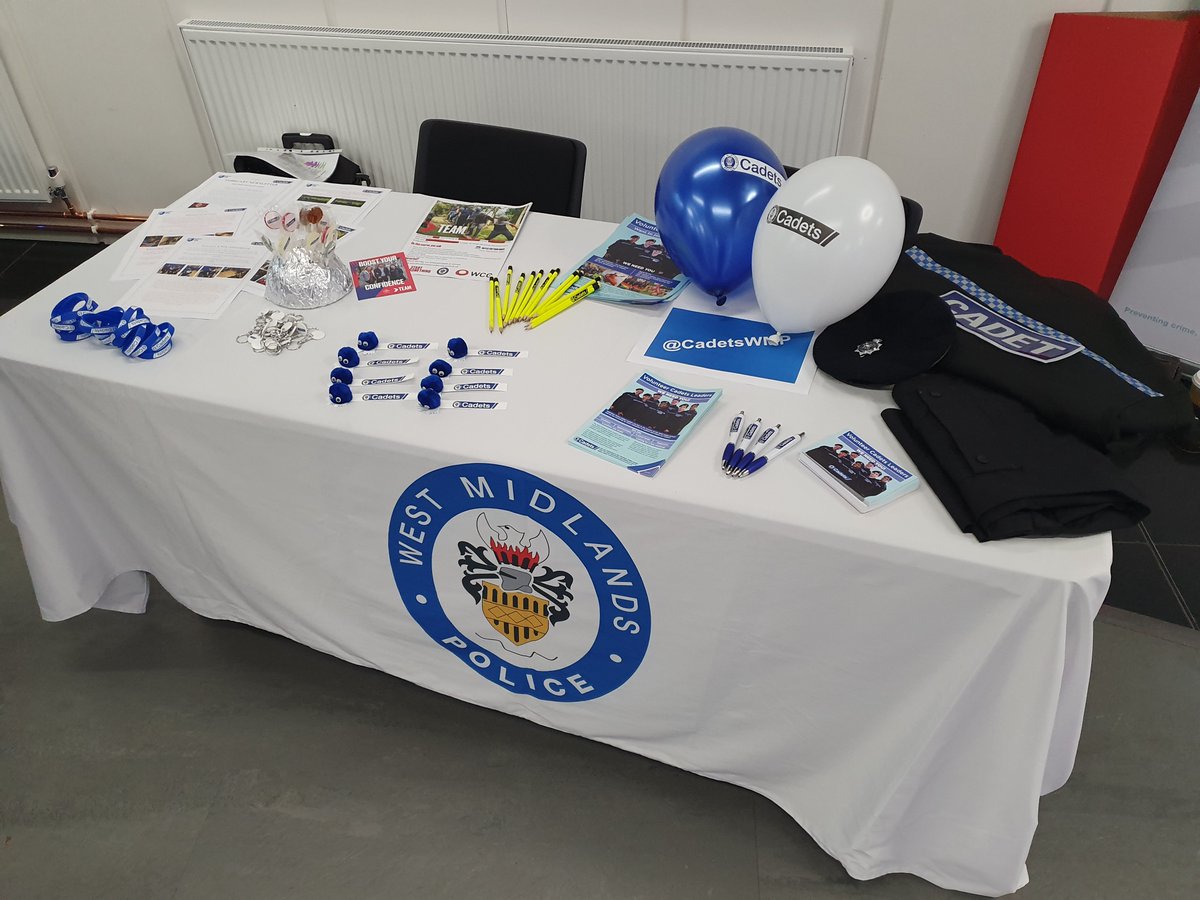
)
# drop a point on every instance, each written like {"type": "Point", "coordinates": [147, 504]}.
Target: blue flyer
{"type": "Point", "coordinates": [644, 424]}
{"type": "Point", "coordinates": [858, 473]}
{"type": "Point", "coordinates": [633, 266]}
{"type": "Point", "coordinates": [731, 344]}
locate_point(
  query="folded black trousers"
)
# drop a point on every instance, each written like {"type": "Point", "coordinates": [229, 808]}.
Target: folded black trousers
{"type": "Point", "coordinates": [999, 470]}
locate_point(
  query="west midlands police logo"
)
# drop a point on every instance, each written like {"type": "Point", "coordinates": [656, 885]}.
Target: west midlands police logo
{"type": "Point", "coordinates": [728, 162]}
{"type": "Point", "coordinates": [520, 580]}
{"type": "Point", "coordinates": [502, 573]}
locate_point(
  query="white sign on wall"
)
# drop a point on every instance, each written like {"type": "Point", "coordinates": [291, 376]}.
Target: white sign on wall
{"type": "Point", "coordinates": [1158, 293]}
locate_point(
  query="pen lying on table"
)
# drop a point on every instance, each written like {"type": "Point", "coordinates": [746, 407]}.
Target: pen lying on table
{"type": "Point", "coordinates": [761, 461]}
{"type": "Point", "coordinates": [745, 455]}
{"type": "Point", "coordinates": [534, 299]}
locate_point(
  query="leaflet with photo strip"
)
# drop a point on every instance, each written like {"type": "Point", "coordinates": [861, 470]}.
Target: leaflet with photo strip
{"type": "Point", "coordinates": [156, 239]}
{"type": "Point", "coordinates": [858, 472]}
{"type": "Point", "coordinates": [201, 277]}
{"type": "Point", "coordinates": [341, 204]}
{"type": "Point", "coordinates": [633, 266]}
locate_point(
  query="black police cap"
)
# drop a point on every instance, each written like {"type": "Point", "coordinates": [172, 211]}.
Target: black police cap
{"type": "Point", "coordinates": [892, 337]}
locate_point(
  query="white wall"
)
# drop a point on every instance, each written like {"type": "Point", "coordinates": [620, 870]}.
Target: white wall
{"type": "Point", "coordinates": [956, 81]}
{"type": "Point", "coordinates": [100, 80]}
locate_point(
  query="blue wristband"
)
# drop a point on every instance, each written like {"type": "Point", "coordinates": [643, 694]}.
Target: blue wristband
{"type": "Point", "coordinates": [65, 316]}
{"type": "Point", "coordinates": [146, 340]}
{"type": "Point", "coordinates": [158, 342]}
{"type": "Point", "coordinates": [132, 319]}
{"type": "Point", "coordinates": [78, 317]}
{"type": "Point", "coordinates": [102, 325]}
{"type": "Point", "coordinates": [130, 340]}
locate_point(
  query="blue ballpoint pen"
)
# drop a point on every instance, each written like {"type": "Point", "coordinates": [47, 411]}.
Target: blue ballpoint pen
{"type": "Point", "coordinates": [771, 454]}
{"type": "Point", "coordinates": [756, 450]}
{"type": "Point", "coordinates": [747, 437]}
{"type": "Point", "coordinates": [734, 427]}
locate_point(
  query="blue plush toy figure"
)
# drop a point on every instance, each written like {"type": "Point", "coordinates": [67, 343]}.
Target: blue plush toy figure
{"type": "Point", "coordinates": [341, 376]}
{"type": "Point", "coordinates": [457, 348]}
{"type": "Point", "coordinates": [440, 368]}
{"type": "Point", "coordinates": [367, 340]}
{"type": "Point", "coordinates": [432, 383]}
{"type": "Point", "coordinates": [348, 357]}
{"type": "Point", "coordinates": [340, 393]}
{"type": "Point", "coordinates": [429, 399]}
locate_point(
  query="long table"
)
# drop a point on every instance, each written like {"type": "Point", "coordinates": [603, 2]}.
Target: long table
{"type": "Point", "coordinates": [905, 693]}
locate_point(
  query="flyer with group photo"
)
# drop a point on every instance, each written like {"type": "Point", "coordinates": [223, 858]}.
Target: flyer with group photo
{"type": "Point", "coordinates": [633, 265]}
{"type": "Point", "coordinates": [644, 424]}
{"type": "Point", "coordinates": [381, 276]}
{"type": "Point", "coordinates": [464, 240]}
{"type": "Point", "coordinates": [858, 472]}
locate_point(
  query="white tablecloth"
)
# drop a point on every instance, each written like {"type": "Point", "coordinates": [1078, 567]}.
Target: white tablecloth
{"type": "Point", "coordinates": [905, 693]}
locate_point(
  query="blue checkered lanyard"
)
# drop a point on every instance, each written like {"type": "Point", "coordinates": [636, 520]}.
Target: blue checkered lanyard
{"type": "Point", "coordinates": [996, 305]}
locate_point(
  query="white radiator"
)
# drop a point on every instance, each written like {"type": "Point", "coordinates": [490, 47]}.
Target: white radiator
{"type": "Point", "coordinates": [22, 169]}
{"type": "Point", "coordinates": [630, 102]}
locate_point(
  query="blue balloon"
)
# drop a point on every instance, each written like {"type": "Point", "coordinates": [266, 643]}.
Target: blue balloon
{"type": "Point", "coordinates": [711, 193]}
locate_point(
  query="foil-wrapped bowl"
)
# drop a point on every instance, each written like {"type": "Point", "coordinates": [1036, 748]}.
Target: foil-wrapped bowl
{"type": "Point", "coordinates": [307, 278]}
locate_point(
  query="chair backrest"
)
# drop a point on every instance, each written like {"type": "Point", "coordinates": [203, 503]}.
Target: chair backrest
{"type": "Point", "coordinates": [491, 164]}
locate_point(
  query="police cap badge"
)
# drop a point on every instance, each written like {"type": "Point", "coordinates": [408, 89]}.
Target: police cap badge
{"type": "Point", "coordinates": [894, 336]}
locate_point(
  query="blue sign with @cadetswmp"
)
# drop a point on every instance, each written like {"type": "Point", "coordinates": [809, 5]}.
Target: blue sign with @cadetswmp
{"type": "Point", "coordinates": [728, 344]}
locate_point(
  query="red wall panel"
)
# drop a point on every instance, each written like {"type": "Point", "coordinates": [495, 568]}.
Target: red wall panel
{"type": "Point", "coordinates": [1112, 95]}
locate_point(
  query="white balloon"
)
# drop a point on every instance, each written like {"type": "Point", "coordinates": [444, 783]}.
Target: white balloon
{"type": "Point", "coordinates": [826, 243]}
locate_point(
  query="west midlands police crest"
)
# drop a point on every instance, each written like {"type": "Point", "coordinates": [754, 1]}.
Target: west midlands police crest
{"type": "Point", "coordinates": [514, 576]}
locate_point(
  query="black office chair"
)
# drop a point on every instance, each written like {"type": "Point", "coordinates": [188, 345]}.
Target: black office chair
{"type": "Point", "coordinates": [491, 164]}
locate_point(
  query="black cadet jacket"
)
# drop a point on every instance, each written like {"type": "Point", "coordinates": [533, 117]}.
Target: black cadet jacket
{"type": "Point", "coordinates": [999, 471]}
{"type": "Point", "coordinates": [1077, 394]}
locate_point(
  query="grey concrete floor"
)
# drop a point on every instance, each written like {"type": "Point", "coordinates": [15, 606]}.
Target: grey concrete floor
{"type": "Point", "coordinates": [170, 756]}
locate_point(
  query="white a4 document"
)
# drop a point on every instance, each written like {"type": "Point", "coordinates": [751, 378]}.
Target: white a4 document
{"type": "Point", "coordinates": [156, 240]}
{"type": "Point", "coordinates": [201, 277]}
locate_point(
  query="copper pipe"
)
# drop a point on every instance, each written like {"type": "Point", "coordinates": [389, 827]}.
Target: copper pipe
{"type": "Point", "coordinates": [65, 227]}
{"type": "Point", "coordinates": [70, 216]}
